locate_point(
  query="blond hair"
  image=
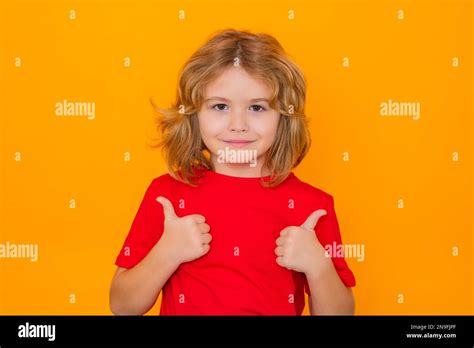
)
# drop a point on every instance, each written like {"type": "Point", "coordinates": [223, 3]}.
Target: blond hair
{"type": "Point", "coordinates": [262, 56]}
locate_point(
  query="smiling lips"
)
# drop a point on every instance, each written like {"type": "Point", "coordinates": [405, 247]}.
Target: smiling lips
{"type": "Point", "coordinates": [238, 142]}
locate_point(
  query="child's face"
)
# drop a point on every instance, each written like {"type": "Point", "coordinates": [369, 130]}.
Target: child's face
{"type": "Point", "coordinates": [232, 117]}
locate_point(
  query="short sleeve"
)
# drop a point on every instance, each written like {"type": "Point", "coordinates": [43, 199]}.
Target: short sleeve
{"type": "Point", "coordinates": [145, 231]}
{"type": "Point", "coordinates": [328, 233]}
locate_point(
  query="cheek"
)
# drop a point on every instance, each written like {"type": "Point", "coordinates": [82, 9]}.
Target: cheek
{"type": "Point", "coordinates": [210, 128]}
{"type": "Point", "coordinates": [267, 128]}
{"type": "Point", "coordinates": [209, 125]}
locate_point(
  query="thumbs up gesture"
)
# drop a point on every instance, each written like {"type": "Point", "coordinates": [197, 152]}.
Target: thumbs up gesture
{"type": "Point", "coordinates": [184, 238]}
{"type": "Point", "coordinates": [298, 247]}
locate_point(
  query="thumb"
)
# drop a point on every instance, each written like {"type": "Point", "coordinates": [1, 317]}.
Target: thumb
{"type": "Point", "coordinates": [313, 219]}
{"type": "Point", "coordinates": [168, 209]}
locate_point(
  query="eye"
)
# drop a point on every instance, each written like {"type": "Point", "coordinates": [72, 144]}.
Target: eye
{"type": "Point", "coordinates": [219, 107]}
{"type": "Point", "coordinates": [259, 108]}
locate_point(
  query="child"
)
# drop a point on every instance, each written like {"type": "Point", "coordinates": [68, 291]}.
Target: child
{"type": "Point", "coordinates": [231, 230]}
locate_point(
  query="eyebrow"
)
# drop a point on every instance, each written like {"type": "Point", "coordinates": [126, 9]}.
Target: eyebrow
{"type": "Point", "coordinates": [227, 100]}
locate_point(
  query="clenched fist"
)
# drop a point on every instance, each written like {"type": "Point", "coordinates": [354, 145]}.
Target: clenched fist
{"type": "Point", "coordinates": [298, 247]}
{"type": "Point", "coordinates": [184, 238]}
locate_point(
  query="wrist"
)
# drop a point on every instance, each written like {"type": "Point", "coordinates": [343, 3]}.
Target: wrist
{"type": "Point", "coordinates": [165, 258]}
{"type": "Point", "coordinates": [320, 268]}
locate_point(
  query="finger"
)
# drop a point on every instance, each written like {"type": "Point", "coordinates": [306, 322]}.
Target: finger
{"type": "Point", "coordinates": [197, 218]}
{"type": "Point", "coordinates": [205, 248]}
{"type": "Point", "coordinates": [168, 209]}
{"type": "Point", "coordinates": [204, 228]}
{"type": "Point", "coordinates": [284, 232]}
{"type": "Point", "coordinates": [206, 238]}
{"type": "Point", "coordinates": [279, 251]}
{"type": "Point", "coordinates": [280, 261]}
{"type": "Point", "coordinates": [313, 219]}
{"type": "Point", "coordinates": [280, 240]}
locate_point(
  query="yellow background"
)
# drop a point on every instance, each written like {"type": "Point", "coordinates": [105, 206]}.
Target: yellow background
{"type": "Point", "coordinates": [408, 251]}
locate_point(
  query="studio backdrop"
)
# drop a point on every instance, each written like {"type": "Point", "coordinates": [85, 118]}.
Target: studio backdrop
{"type": "Point", "coordinates": [390, 110]}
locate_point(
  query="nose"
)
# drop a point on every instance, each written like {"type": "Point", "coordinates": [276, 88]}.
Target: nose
{"type": "Point", "coordinates": [238, 122]}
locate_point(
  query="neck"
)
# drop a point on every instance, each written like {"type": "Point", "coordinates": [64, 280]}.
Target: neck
{"type": "Point", "coordinates": [243, 170]}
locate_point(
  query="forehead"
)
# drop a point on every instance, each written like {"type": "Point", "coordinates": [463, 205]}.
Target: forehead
{"type": "Point", "coordinates": [236, 83]}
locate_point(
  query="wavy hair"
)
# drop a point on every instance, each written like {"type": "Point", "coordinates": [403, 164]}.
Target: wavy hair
{"type": "Point", "coordinates": [263, 57]}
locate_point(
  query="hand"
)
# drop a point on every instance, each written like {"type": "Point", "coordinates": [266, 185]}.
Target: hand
{"type": "Point", "coordinates": [299, 249]}
{"type": "Point", "coordinates": [184, 238]}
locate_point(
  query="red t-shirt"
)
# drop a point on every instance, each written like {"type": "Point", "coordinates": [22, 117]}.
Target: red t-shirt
{"type": "Point", "coordinates": [239, 275]}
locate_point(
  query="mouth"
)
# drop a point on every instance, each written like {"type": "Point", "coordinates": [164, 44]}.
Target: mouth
{"type": "Point", "coordinates": [238, 143]}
